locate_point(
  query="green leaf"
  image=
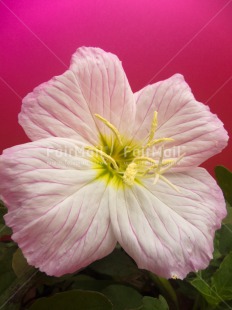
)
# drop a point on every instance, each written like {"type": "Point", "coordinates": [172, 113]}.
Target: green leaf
{"type": "Point", "coordinates": [73, 300]}
{"type": "Point", "coordinates": [19, 263]}
{"type": "Point", "coordinates": [206, 290]}
{"type": "Point", "coordinates": [185, 288]}
{"type": "Point", "coordinates": [7, 275]}
{"type": "Point", "coordinates": [123, 297]}
{"type": "Point", "coordinates": [116, 265]}
{"type": "Point", "coordinates": [224, 305]}
{"type": "Point", "coordinates": [15, 293]}
{"type": "Point", "coordinates": [219, 287]}
{"type": "Point", "coordinates": [4, 230]}
{"type": "Point", "coordinates": [228, 218]}
{"type": "Point", "coordinates": [77, 281]}
{"type": "Point", "coordinates": [50, 280]}
{"type": "Point", "coordinates": [225, 239]}
{"type": "Point", "coordinates": [150, 303]}
{"type": "Point", "coordinates": [224, 179]}
{"type": "Point", "coordinates": [222, 279]}
{"type": "Point", "coordinates": [84, 282]}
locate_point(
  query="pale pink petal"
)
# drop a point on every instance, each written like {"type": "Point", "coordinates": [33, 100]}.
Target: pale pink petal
{"type": "Point", "coordinates": [167, 232]}
{"type": "Point", "coordinates": [197, 132]}
{"type": "Point", "coordinates": [105, 87]}
{"type": "Point", "coordinates": [65, 105]}
{"type": "Point", "coordinates": [56, 220]}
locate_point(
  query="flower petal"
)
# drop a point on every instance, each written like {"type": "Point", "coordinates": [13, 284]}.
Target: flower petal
{"type": "Point", "coordinates": [56, 220]}
{"type": "Point", "coordinates": [166, 232]}
{"type": "Point", "coordinates": [105, 86]}
{"type": "Point", "coordinates": [197, 132]}
{"type": "Point", "coordinates": [65, 105]}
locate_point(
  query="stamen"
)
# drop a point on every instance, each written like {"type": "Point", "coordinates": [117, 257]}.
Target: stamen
{"type": "Point", "coordinates": [169, 183]}
{"type": "Point", "coordinates": [140, 166]}
{"type": "Point", "coordinates": [130, 174]}
{"type": "Point", "coordinates": [164, 163]}
{"type": "Point", "coordinates": [160, 160]}
{"type": "Point", "coordinates": [112, 146]}
{"type": "Point", "coordinates": [157, 141]}
{"type": "Point", "coordinates": [158, 173]}
{"type": "Point", "coordinates": [146, 159]}
{"type": "Point", "coordinates": [156, 178]}
{"type": "Point", "coordinates": [154, 125]}
{"type": "Point", "coordinates": [174, 276]}
{"type": "Point", "coordinates": [167, 162]}
{"type": "Point", "coordinates": [143, 158]}
{"type": "Point", "coordinates": [104, 155]}
{"type": "Point", "coordinates": [172, 164]}
{"type": "Point", "coordinates": [112, 127]}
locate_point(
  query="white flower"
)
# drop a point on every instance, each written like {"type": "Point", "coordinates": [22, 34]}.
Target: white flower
{"type": "Point", "coordinates": [108, 166]}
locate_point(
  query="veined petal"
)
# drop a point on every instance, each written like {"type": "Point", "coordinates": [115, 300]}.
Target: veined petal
{"type": "Point", "coordinates": [105, 87]}
{"type": "Point", "coordinates": [56, 220]}
{"type": "Point", "coordinates": [57, 109]}
{"type": "Point", "coordinates": [166, 232]}
{"type": "Point", "coordinates": [65, 105]}
{"type": "Point", "coordinates": [197, 132]}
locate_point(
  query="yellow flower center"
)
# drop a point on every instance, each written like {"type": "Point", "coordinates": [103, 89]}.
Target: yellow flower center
{"type": "Point", "coordinates": [128, 162]}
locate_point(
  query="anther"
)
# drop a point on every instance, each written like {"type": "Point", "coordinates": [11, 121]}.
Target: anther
{"type": "Point", "coordinates": [174, 277]}
{"type": "Point", "coordinates": [154, 125]}
{"type": "Point", "coordinates": [130, 174]}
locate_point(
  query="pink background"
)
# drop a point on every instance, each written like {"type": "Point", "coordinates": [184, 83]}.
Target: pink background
{"type": "Point", "coordinates": [154, 39]}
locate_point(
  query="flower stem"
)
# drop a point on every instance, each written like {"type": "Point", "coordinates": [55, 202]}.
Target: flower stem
{"type": "Point", "coordinates": [165, 288]}
{"type": "Point", "coordinates": [13, 294]}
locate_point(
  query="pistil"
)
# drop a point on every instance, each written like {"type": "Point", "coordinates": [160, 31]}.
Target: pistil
{"type": "Point", "coordinates": [104, 155]}
{"type": "Point", "coordinates": [138, 166]}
